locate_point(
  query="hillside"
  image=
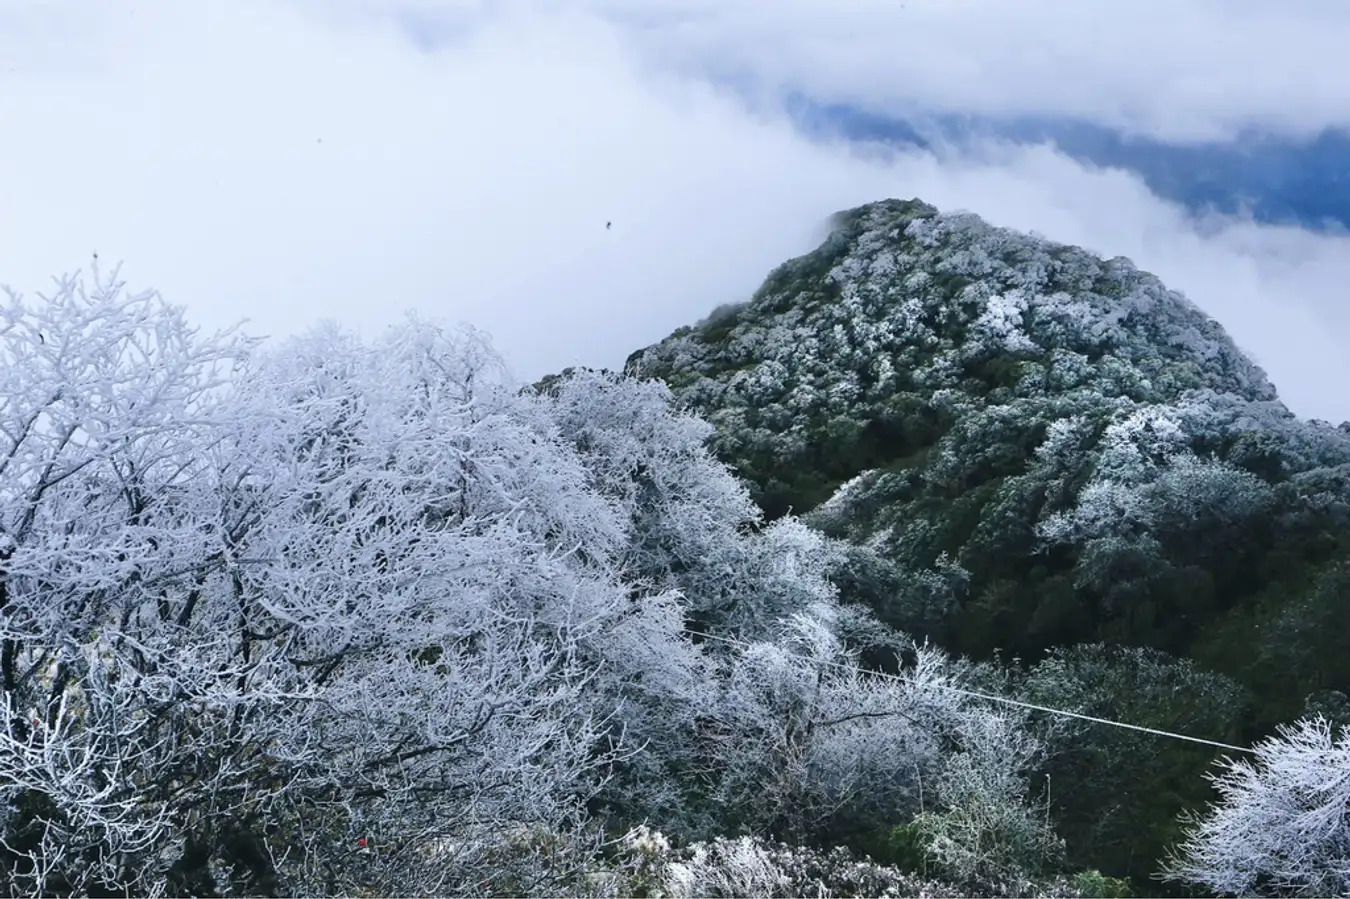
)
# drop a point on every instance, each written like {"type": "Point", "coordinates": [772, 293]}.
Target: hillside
{"type": "Point", "coordinates": [1031, 449]}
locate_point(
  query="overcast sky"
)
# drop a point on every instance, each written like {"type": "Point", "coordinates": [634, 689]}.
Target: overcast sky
{"type": "Point", "coordinates": [291, 160]}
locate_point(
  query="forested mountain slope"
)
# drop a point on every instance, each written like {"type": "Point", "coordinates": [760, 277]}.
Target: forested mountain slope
{"type": "Point", "coordinates": [1033, 451]}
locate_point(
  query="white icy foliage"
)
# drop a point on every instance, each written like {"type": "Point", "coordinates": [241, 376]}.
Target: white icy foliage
{"type": "Point", "coordinates": [1138, 443]}
{"type": "Point", "coordinates": [1064, 440]}
{"type": "Point", "coordinates": [1144, 474]}
{"type": "Point", "coordinates": [107, 425]}
{"type": "Point", "coordinates": [805, 731]}
{"type": "Point", "coordinates": [1002, 321]}
{"type": "Point", "coordinates": [1281, 826]}
{"type": "Point", "coordinates": [691, 525]}
{"type": "Point", "coordinates": [682, 507]}
{"type": "Point", "coordinates": [838, 507]}
{"type": "Point", "coordinates": [907, 319]}
{"type": "Point", "coordinates": [753, 866]}
{"type": "Point", "coordinates": [809, 739]}
{"type": "Point", "coordinates": [1103, 509]}
{"type": "Point", "coordinates": [985, 828]}
{"type": "Point", "coordinates": [358, 584]}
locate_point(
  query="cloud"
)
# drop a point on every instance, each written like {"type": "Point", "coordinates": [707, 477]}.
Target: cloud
{"type": "Point", "coordinates": [1198, 70]}
{"type": "Point", "coordinates": [291, 161]}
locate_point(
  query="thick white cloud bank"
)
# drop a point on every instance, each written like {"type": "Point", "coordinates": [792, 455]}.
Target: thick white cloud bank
{"type": "Point", "coordinates": [1191, 70]}
{"type": "Point", "coordinates": [290, 161]}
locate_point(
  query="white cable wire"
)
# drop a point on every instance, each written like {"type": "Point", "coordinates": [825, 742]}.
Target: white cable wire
{"type": "Point", "coordinates": [989, 697]}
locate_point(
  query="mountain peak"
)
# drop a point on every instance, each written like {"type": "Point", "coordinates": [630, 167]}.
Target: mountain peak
{"type": "Point", "coordinates": [862, 352]}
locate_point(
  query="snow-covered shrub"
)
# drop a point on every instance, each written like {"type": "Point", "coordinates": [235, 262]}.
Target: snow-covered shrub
{"type": "Point", "coordinates": [1281, 826]}
{"type": "Point", "coordinates": [984, 827]}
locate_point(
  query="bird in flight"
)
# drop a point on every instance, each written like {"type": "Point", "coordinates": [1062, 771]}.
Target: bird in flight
{"type": "Point", "coordinates": [607, 225]}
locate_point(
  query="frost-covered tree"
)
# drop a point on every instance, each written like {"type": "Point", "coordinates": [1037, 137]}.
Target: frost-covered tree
{"type": "Point", "coordinates": [121, 697]}
{"type": "Point", "coordinates": [806, 742]}
{"type": "Point", "coordinates": [353, 620]}
{"type": "Point", "coordinates": [985, 827]}
{"type": "Point", "coordinates": [1281, 826]}
{"type": "Point", "coordinates": [441, 575]}
{"type": "Point", "coordinates": [691, 533]}
{"type": "Point", "coordinates": [692, 526]}
{"type": "Point", "coordinates": [814, 749]}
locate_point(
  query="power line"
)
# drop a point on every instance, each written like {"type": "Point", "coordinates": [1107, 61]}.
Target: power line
{"type": "Point", "coordinates": [990, 697]}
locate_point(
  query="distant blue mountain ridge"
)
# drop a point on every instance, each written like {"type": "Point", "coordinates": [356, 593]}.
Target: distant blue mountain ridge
{"type": "Point", "coordinates": [1275, 180]}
